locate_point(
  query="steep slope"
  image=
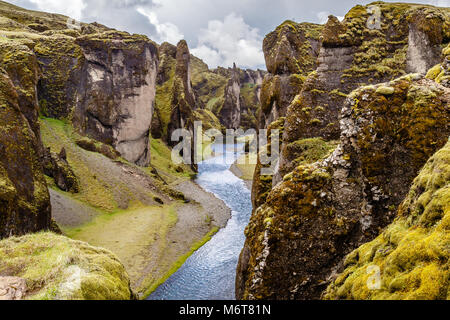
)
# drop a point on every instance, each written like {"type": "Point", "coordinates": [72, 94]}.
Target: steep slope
{"type": "Point", "coordinates": [310, 215]}
{"type": "Point", "coordinates": [321, 211]}
{"type": "Point", "coordinates": [25, 202]}
{"type": "Point", "coordinates": [291, 54]}
{"type": "Point", "coordinates": [100, 79]}
{"type": "Point", "coordinates": [232, 94]}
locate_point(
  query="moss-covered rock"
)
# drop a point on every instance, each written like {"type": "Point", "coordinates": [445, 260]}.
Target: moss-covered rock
{"type": "Point", "coordinates": [354, 52]}
{"type": "Point", "coordinates": [291, 54]}
{"type": "Point", "coordinates": [56, 166]}
{"type": "Point", "coordinates": [99, 78]}
{"type": "Point", "coordinates": [117, 92]}
{"type": "Point", "coordinates": [96, 146]}
{"type": "Point", "coordinates": [412, 254]}
{"type": "Point", "coordinates": [320, 212]}
{"type": "Point", "coordinates": [57, 268]}
{"type": "Point", "coordinates": [24, 198]}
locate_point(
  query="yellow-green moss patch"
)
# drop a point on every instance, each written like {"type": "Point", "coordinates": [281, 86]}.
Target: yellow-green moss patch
{"type": "Point", "coordinates": [56, 267]}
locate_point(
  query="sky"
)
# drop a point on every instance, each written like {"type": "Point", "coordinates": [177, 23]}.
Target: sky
{"type": "Point", "coordinates": [218, 31]}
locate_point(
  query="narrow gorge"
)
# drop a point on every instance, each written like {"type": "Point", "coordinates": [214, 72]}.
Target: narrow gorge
{"type": "Point", "coordinates": [95, 206]}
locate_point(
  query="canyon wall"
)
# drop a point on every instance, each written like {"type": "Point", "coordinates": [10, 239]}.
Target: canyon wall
{"type": "Point", "coordinates": [347, 157]}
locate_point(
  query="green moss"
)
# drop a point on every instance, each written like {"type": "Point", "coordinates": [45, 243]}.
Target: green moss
{"type": "Point", "coordinates": [387, 91]}
{"type": "Point", "coordinates": [434, 72]}
{"type": "Point", "coordinates": [338, 93]}
{"type": "Point", "coordinates": [161, 159]}
{"type": "Point", "coordinates": [60, 58]}
{"type": "Point", "coordinates": [412, 253]}
{"type": "Point", "coordinates": [311, 150]}
{"type": "Point", "coordinates": [56, 267]}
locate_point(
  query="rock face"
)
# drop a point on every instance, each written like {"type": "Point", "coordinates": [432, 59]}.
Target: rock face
{"type": "Point", "coordinates": [24, 197]}
{"type": "Point", "coordinates": [57, 268]}
{"type": "Point", "coordinates": [353, 54]}
{"type": "Point", "coordinates": [309, 216]}
{"type": "Point", "coordinates": [104, 81]}
{"type": "Point", "coordinates": [231, 94]}
{"type": "Point", "coordinates": [183, 100]}
{"type": "Point", "coordinates": [230, 114]}
{"type": "Point", "coordinates": [291, 53]}
{"type": "Point", "coordinates": [175, 98]}
{"type": "Point", "coordinates": [412, 253]}
{"type": "Point", "coordinates": [117, 93]}
{"type": "Point", "coordinates": [322, 211]}
{"type": "Point", "coordinates": [100, 79]}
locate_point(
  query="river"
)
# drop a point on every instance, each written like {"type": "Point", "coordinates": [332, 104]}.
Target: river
{"type": "Point", "coordinates": [209, 274]}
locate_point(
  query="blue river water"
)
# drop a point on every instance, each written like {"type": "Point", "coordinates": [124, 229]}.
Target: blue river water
{"type": "Point", "coordinates": [209, 274]}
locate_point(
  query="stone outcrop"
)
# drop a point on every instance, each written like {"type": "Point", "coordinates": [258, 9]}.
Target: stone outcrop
{"type": "Point", "coordinates": [230, 113]}
{"type": "Point", "coordinates": [117, 93]}
{"type": "Point", "coordinates": [56, 166]}
{"type": "Point", "coordinates": [101, 79]}
{"type": "Point", "coordinates": [24, 197]}
{"type": "Point", "coordinates": [353, 54]}
{"type": "Point", "coordinates": [409, 260]}
{"type": "Point", "coordinates": [291, 54]}
{"type": "Point", "coordinates": [311, 214]}
{"type": "Point", "coordinates": [183, 99]}
{"type": "Point", "coordinates": [231, 94]}
{"type": "Point", "coordinates": [12, 288]}
{"type": "Point", "coordinates": [176, 101]}
{"type": "Point", "coordinates": [58, 268]}
{"type": "Point", "coordinates": [322, 211]}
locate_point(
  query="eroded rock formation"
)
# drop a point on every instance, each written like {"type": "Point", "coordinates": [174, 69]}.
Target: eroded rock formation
{"type": "Point", "coordinates": [24, 197]}
{"type": "Point", "coordinates": [230, 113]}
{"type": "Point", "coordinates": [311, 214]}
{"type": "Point", "coordinates": [412, 253]}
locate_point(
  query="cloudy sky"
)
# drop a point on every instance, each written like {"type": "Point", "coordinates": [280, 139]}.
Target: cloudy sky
{"type": "Point", "coordinates": [218, 31]}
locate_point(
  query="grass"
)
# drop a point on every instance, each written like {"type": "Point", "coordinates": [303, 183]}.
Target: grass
{"type": "Point", "coordinates": [56, 267]}
{"type": "Point", "coordinates": [133, 235]}
{"type": "Point", "coordinates": [181, 260]}
{"type": "Point", "coordinates": [57, 134]}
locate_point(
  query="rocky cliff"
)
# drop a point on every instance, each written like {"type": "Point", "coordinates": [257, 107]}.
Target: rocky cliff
{"type": "Point", "coordinates": [232, 94]}
{"type": "Point", "coordinates": [100, 79]}
{"type": "Point", "coordinates": [348, 157]}
{"type": "Point", "coordinates": [59, 83]}
{"type": "Point", "coordinates": [25, 201]}
{"type": "Point", "coordinates": [412, 254]}
{"type": "Point", "coordinates": [230, 113]}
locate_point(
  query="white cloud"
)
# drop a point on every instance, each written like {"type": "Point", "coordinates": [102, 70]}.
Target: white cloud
{"type": "Point", "coordinates": [228, 41]}
{"type": "Point", "coordinates": [322, 16]}
{"type": "Point", "coordinates": [440, 3]}
{"type": "Point", "coordinates": [72, 8]}
{"type": "Point", "coordinates": [165, 31]}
